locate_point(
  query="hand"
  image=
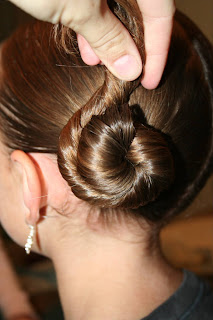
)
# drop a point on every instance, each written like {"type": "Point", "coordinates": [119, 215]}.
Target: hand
{"type": "Point", "coordinates": [111, 42]}
{"type": "Point", "coordinates": [158, 22]}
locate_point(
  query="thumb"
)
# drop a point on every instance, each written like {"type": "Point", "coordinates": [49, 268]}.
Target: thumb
{"type": "Point", "coordinates": [103, 37]}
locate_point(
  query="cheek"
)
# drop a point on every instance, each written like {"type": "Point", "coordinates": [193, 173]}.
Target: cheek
{"type": "Point", "coordinates": [11, 214]}
{"type": "Point", "coordinates": [12, 210]}
{"type": "Point", "coordinates": [13, 227]}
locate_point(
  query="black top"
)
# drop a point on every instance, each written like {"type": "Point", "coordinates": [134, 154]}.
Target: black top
{"type": "Point", "coordinates": [193, 300]}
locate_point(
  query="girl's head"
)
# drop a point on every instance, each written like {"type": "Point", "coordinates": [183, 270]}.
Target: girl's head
{"type": "Point", "coordinates": [122, 149]}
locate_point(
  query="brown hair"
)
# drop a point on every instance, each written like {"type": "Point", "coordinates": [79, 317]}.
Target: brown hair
{"type": "Point", "coordinates": [118, 144]}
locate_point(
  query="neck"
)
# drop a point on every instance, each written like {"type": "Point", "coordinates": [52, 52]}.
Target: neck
{"type": "Point", "coordinates": [107, 278]}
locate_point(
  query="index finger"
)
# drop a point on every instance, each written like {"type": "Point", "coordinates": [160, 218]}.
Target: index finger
{"type": "Point", "coordinates": [158, 22]}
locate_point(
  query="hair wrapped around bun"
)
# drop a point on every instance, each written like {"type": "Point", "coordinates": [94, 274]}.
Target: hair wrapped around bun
{"type": "Point", "coordinates": [108, 157]}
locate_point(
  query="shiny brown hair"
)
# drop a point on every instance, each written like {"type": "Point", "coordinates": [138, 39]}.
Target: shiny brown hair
{"type": "Point", "coordinates": [119, 146]}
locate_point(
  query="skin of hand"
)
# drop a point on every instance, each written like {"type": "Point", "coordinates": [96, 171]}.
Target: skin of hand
{"type": "Point", "coordinates": [111, 43]}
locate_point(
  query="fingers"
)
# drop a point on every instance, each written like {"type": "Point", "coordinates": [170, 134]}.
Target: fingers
{"type": "Point", "coordinates": [110, 43]}
{"type": "Point", "coordinates": [102, 37]}
{"type": "Point", "coordinates": [158, 21]}
{"type": "Point", "coordinates": [87, 53]}
{"type": "Point", "coordinates": [113, 41]}
{"type": "Point", "coordinates": [107, 37]}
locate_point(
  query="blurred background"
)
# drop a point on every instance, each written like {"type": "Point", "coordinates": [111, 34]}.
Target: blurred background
{"type": "Point", "coordinates": [187, 242]}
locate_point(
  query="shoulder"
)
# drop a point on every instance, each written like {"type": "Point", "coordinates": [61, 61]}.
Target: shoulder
{"type": "Point", "coordinates": [204, 304]}
{"type": "Point", "coordinates": [193, 300]}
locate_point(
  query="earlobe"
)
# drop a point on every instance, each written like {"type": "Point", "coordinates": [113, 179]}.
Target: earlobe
{"type": "Point", "coordinates": [31, 185]}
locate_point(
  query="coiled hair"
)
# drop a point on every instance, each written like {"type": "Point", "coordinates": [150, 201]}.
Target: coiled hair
{"type": "Point", "coordinates": [108, 157]}
{"type": "Point", "coordinates": [118, 144]}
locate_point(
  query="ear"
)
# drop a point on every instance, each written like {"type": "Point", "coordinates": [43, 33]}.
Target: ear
{"type": "Point", "coordinates": [31, 185]}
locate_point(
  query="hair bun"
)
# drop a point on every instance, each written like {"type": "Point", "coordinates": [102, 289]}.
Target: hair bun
{"type": "Point", "coordinates": [117, 162]}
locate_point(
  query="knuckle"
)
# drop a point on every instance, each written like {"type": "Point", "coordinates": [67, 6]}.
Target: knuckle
{"type": "Point", "coordinates": [75, 22]}
{"type": "Point", "coordinates": [76, 18]}
{"type": "Point", "coordinates": [111, 41]}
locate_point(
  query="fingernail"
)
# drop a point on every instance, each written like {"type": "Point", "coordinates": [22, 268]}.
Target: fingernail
{"type": "Point", "coordinates": [128, 67]}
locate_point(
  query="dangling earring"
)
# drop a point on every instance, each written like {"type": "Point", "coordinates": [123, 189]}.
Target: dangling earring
{"type": "Point", "coordinates": [29, 242]}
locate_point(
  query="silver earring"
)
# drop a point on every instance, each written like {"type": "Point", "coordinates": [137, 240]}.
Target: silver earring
{"type": "Point", "coordinates": [29, 242]}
